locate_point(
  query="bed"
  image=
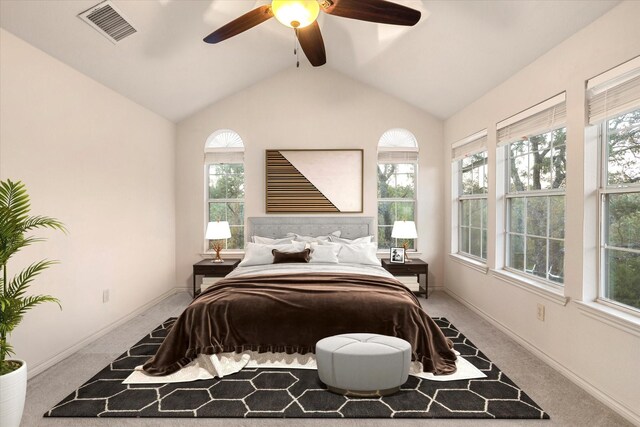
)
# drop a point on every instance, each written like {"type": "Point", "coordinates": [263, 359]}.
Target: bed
{"type": "Point", "coordinates": [288, 307]}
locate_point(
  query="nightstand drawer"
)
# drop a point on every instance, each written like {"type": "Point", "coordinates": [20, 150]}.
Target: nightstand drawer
{"type": "Point", "coordinates": [407, 268]}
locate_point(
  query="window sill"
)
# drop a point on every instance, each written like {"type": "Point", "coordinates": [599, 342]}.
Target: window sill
{"type": "Point", "coordinates": [533, 286]}
{"type": "Point", "coordinates": [616, 318]}
{"type": "Point", "coordinates": [470, 262]}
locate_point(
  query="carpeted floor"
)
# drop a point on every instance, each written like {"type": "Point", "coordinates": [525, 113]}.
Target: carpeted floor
{"type": "Point", "coordinates": [294, 393]}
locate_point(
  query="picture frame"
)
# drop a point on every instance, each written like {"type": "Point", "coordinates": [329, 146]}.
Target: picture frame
{"type": "Point", "coordinates": [314, 181]}
{"type": "Point", "coordinates": [396, 255]}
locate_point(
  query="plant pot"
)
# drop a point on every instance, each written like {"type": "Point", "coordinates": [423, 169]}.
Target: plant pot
{"type": "Point", "coordinates": [13, 390]}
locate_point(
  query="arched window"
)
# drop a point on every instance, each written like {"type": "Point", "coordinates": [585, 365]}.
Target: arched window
{"type": "Point", "coordinates": [224, 181]}
{"type": "Point", "coordinates": [397, 178]}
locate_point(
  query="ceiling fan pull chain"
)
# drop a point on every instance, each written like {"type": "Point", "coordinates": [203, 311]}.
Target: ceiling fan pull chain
{"type": "Point", "coordinates": [295, 47]}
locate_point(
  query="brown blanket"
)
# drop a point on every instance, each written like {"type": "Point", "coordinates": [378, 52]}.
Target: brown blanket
{"type": "Point", "coordinates": [291, 312]}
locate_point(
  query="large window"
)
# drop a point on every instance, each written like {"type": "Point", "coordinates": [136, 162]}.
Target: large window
{"type": "Point", "coordinates": [535, 187]}
{"type": "Point", "coordinates": [472, 206]}
{"type": "Point", "coordinates": [614, 108]}
{"type": "Point", "coordinates": [224, 171]}
{"type": "Point", "coordinates": [470, 185]}
{"type": "Point", "coordinates": [621, 209]}
{"type": "Point", "coordinates": [397, 177]}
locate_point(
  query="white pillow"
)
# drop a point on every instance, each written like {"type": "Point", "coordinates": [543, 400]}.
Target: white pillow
{"type": "Point", "coordinates": [300, 238]}
{"type": "Point", "coordinates": [324, 253]}
{"type": "Point", "coordinates": [360, 253]}
{"type": "Point", "coordinates": [270, 241]}
{"type": "Point", "coordinates": [365, 239]}
{"type": "Point", "coordinates": [259, 254]}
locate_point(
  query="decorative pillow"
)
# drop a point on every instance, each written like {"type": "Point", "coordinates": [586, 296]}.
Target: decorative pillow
{"type": "Point", "coordinates": [365, 239]}
{"type": "Point", "coordinates": [259, 254]}
{"type": "Point", "coordinates": [270, 241]}
{"type": "Point", "coordinates": [360, 253]}
{"type": "Point", "coordinates": [324, 253]}
{"type": "Point", "coordinates": [300, 238]}
{"type": "Point", "coordinates": [281, 257]}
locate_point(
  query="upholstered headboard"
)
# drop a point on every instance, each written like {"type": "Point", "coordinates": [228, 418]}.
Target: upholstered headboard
{"type": "Point", "coordinates": [278, 226]}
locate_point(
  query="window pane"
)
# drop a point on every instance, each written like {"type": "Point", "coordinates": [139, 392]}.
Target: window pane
{"type": "Point", "coordinates": [516, 252]}
{"type": "Point", "coordinates": [519, 174]}
{"type": "Point", "coordinates": [474, 173]}
{"type": "Point", "coordinates": [464, 212]}
{"type": "Point", "coordinates": [226, 181]}
{"type": "Point", "coordinates": [217, 211]}
{"type": "Point", "coordinates": [623, 271]}
{"type": "Point", "coordinates": [623, 219]}
{"type": "Point", "coordinates": [556, 217]}
{"type": "Point", "coordinates": [537, 216]}
{"type": "Point", "coordinates": [484, 244]}
{"type": "Point", "coordinates": [388, 212]}
{"type": "Point", "coordinates": [235, 213]}
{"type": "Point", "coordinates": [396, 181]}
{"type": "Point", "coordinates": [464, 239]}
{"type": "Point", "coordinates": [559, 167]}
{"type": "Point", "coordinates": [556, 260]}
{"type": "Point", "coordinates": [516, 215]}
{"type": "Point", "coordinates": [537, 256]}
{"type": "Point", "coordinates": [475, 245]}
{"type": "Point", "coordinates": [475, 213]}
{"type": "Point", "coordinates": [237, 237]}
{"type": "Point", "coordinates": [384, 237]}
{"type": "Point", "coordinates": [623, 139]}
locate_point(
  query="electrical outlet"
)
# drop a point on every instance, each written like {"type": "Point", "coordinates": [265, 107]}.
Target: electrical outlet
{"type": "Point", "coordinates": [105, 295]}
{"type": "Point", "coordinates": [541, 312]}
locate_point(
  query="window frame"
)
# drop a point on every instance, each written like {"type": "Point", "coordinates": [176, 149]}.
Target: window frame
{"type": "Point", "coordinates": [605, 190]}
{"type": "Point", "coordinates": [208, 200]}
{"type": "Point", "coordinates": [223, 147]}
{"type": "Point", "coordinates": [461, 197]}
{"type": "Point", "coordinates": [528, 194]}
{"type": "Point", "coordinates": [414, 200]}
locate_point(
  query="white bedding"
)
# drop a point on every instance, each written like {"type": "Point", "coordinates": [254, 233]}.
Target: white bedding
{"type": "Point", "coordinates": [267, 269]}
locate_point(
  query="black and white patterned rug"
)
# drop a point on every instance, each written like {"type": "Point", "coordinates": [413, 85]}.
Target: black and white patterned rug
{"type": "Point", "coordinates": [293, 393]}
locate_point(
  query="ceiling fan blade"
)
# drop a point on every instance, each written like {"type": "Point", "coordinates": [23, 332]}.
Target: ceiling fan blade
{"type": "Point", "coordinates": [241, 24]}
{"type": "Point", "coordinates": [381, 11]}
{"type": "Point", "coordinates": [310, 39]}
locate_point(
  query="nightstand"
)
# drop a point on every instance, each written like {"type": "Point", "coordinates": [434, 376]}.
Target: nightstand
{"type": "Point", "coordinates": [417, 267]}
{"type": "Point", "coordinates": [207, 268]}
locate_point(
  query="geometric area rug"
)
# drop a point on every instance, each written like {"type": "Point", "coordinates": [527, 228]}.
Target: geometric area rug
{"type": "Point", "coordinates": [294, 393]}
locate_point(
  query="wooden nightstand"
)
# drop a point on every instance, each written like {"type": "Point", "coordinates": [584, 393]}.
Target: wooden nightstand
{"type": "Point", "coordinates": [207, 268]}
{"type": "Point", "coordinates": [417, 267]}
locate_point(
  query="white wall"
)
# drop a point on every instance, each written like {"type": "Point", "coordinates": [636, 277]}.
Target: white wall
{"type": "Point", "coordinates": [105, 167]}
{"type": "Point", "coordinates": [602, 358]}
{"type": "Point", "coordinates": [306, 108]}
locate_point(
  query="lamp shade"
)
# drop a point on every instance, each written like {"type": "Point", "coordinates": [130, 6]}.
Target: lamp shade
{"type": "Point", "coordinates": [295, 13]}
{"type": "Point", "coordinates": [218, 230]}
{"type": "Point", "coordinates": [404, 230]}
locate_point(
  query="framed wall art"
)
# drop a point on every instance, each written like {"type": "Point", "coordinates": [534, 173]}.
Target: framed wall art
{"type": "Point", "coordinates": [314, 181]}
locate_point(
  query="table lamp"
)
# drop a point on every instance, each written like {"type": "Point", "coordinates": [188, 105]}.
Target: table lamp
{"type": "Point", "coordinates": [404, 230]}
{"type": "Point", "coordinates": [218, 230]}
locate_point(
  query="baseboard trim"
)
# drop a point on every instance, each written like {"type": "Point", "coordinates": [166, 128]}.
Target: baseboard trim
{"type": "Point", "coordinates": [609, 401]}
{"type": "Point", "coordinates": [37, 369]}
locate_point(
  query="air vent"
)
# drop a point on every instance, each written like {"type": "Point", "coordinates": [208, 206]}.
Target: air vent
{"type": "Point", "coordinates": [108, 21]}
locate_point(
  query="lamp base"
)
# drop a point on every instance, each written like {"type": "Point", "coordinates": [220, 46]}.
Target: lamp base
{"type": "Point", "coordinates": [217, 260]}
{"type": "Point", "coordinates": [405, 245]}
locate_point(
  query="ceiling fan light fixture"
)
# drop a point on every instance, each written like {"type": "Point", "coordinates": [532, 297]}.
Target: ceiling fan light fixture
{"type": "Point", "coordinates": [295, 13]}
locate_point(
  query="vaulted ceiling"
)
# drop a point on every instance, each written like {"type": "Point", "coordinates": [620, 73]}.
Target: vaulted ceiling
{"type": "Point", "coordinates": [458, 51]}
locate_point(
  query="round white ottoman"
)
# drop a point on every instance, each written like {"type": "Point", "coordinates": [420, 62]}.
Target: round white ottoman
{"type": "Point", "coordinates": [363, 364]}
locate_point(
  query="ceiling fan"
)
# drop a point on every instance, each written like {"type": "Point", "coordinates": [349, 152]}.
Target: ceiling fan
{"type": "Point", "coordinates": [301, 16]}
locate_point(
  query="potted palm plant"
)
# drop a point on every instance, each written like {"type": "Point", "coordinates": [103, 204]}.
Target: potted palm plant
{"type": "Point", "coordinates": [15, 223]}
